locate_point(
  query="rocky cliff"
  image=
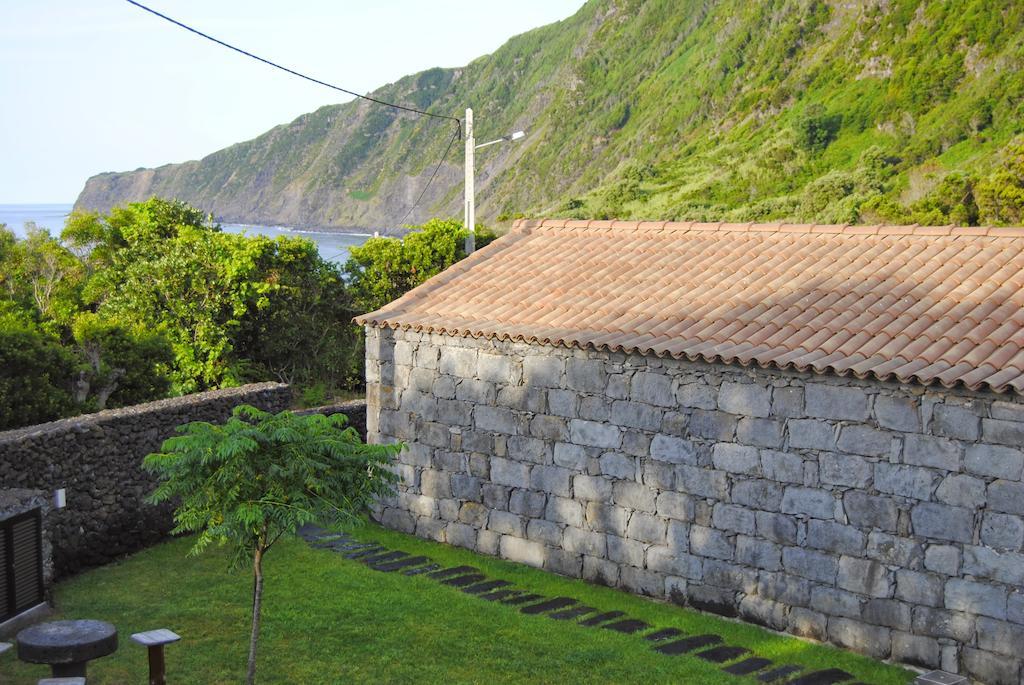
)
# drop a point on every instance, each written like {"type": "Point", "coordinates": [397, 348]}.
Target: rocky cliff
{"type": "Point", "coordinates": [669, 109]}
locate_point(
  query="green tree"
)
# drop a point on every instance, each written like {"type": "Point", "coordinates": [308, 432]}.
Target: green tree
{"type": "Point", "coordinates": [816, 128]}
{"type": "Point", "coordinates": [35, 373]}
{"type": "Point", "coordinates": [234, 308]}
{"type": "Point", "coordinates": [952, 201]}
{"type": "Point", "coordinates": [119, 363]}
{"type": "Point", "coordinates": [39, 274]}
{"type": "Point", "coordinates": [1001, 194]}
{"type": "Point", "coordinates": [383, 269]}
{"type": "Point", "coordinates": [261, 476]}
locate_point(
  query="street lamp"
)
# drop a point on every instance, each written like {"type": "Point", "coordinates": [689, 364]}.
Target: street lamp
{"type": "Point", "coordinates": [471, 147]}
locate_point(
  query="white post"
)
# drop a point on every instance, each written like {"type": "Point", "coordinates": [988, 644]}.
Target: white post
{"type": "Point", "coordinates": [470, 214]}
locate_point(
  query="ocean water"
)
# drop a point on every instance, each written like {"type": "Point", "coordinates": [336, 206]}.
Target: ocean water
{"type": "Point", "coordinates": [333, 246]}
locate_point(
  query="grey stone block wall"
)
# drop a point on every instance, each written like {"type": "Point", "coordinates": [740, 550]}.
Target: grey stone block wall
{"type": "Point", "coordinates": [96, 458]}
{"type": "Point", "coordinates": [884, 518]}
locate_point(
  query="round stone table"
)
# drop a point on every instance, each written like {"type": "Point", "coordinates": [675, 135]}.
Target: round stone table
{"type": "Point", "coordinates": [67, 646]}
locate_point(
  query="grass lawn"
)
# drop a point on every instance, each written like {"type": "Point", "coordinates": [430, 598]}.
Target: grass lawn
{"type": "Point", "coordinates": [328, 619]}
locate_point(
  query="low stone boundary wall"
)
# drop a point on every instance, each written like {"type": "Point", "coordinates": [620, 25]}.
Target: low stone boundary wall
{"type": "Point", "coordinates": [96, 458]}
{"type": "Point", "coordinates": [355, 410]}
{"type": "Point", "coordinates": [881, 517]}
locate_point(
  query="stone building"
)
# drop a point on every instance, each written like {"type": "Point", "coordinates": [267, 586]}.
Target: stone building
{"type": "Point", "coordinates": [815, 428]}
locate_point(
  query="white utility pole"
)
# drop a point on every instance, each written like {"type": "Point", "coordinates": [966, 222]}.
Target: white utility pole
{"type": "Point", "coordinates": [469, 218]}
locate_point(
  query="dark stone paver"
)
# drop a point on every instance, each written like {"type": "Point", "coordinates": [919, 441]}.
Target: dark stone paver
{"type": "Point", "coordinates": [574, 612]}
{"type": "Point", "coordinates": [310, 531]}
{"type": "Point", "coordinates": [663, 634]}
{"type": "Point", "coordinates": [549, 605]}
{"type": "Point", "coordinates": [400, 564]}
{"type": "Point", "coordinates": [688, 644]}
{"type": "Point", "coordinates": [455, 571]}
{"type": "Point", "coordinates": [720, 655]}
{"type": "Point", "coordinates": [601, 618]}
{"type": "Point", "coordinates": [422, 569]}
{"type": "Point", "coordinates": [827, 677]}
{"type": "Point", "coordinates": [779, 673]}
{"type": "Point", "coordinates": [521, 599]}
{"type": "Point", "coordinates": [748, 666]}
{"type": "Point", "coordinates": [348, 546]}
{"type": "Point", "coordinates": [365, 552]}
{"type": "Point", "coordinates": [342, 546]}
{"type": "Point", "coordinates": [628, 626]}
{"type": "Point", "coordinates": [487, 586]}
{"type": "Point", "coordinates": [500, 594]}
{"type": "Point", "coordinates": [463, 581]}
{"type": "Point", "coordinates": [381, 558]}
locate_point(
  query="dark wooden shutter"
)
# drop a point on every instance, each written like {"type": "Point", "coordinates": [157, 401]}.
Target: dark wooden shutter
{"type": "Point", "coordinates": [21, 563]}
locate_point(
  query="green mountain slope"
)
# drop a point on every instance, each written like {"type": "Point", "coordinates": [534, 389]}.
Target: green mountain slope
{"type": "Point", "coordinates": [663, 109]}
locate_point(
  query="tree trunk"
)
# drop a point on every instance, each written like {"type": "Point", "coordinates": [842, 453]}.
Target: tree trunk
{"type": "Point", "coordinates": [257, 598]}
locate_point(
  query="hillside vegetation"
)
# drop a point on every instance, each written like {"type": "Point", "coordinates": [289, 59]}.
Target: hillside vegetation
{"type": "Point", "coordinates": [802, 110]}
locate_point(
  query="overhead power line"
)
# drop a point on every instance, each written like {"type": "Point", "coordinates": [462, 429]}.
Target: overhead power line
{"type": "Point", "coordinates": [458, 122]}
{"type": "Point", "coordinates": [431, 179]}
{"type": "Point", "coordinates": [292, 71]}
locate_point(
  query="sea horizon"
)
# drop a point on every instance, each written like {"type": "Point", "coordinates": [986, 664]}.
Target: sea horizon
{"type": "Point", "coordinates": [332, 245]}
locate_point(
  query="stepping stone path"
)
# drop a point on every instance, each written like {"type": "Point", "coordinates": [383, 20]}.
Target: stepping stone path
{"type": "Point", "coordinates": [575, 612]}
{"type": "Point", "coordinates": [720, 655]}
{"type": "Point", "coordinates": [449, 572]}
{"type": "Point", "coordinates": [521, 599]}
{"type": "Point", "coordinates": [663, 634]}
{"type": "Point", "coordinates": [601, 618]}
{"type": "Point", "coordinates": [471, 581]}
{"type": "Point", "coordinates": [550, 605]}
{"type": "Point", "coordinates": [400, 564]}
{"type": "Point", "coordinates": [500, 594]}
{"type": "Point", "coordinates": [463, 581]}
{"type": "Point", "coordinates": [381, 558]}
{"type": "Point", "coordinates": [748, 666]}
{"type": "Point", "coordinates": [778, 674]}
{"type": "Point", "coordinates": [689, 644]}
{"type": "Point", "coordinates": [628, 626]}
{"type": "Point", "coordinates": [348, 546]}
{"type": "Point", "coordinates": [490, 585]}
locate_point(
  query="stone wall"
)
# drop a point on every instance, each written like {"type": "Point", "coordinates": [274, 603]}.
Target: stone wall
{"type": "Point", "coordinates": [96, 458]}
{"type": "Point", "coordinates": [881, 517]}
{"type": "Point", "coordinates": [355, 410]}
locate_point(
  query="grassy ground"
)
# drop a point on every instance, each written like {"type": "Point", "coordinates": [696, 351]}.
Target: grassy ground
{"type": "Point", "coordinates": [332, 620]}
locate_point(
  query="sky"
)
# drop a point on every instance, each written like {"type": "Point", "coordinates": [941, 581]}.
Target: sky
{"type": "Point", "coordinates": [88, 86]}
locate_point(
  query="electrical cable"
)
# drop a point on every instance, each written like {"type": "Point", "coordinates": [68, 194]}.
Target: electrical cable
{"type": "Point", "coordinates": [458, 122]}
{"type": "Point", "coordinates": [431, 180]}
{"type": "Point", "coordinates": [292, 71]}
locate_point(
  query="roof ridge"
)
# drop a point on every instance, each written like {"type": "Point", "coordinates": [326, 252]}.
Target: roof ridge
{"type": "Point", "coordinates": [953, 231]}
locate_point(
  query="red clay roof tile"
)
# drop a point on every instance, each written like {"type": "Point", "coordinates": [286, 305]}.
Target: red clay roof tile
{"type": "Point", "coordinates": [928, 304]}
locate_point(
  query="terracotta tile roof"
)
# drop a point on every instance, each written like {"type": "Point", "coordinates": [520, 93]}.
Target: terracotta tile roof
{"type": "Point", "coordinates": [925, 304]}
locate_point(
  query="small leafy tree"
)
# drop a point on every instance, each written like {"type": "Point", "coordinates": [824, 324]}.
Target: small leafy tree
{"type": "Point", "coordinates": [383, 269]}
{"type": "Point", "coordinates": [1001, 194]}
{"type": "Point", "coordinates": [816, 128]}
{"type": "Point", "coordinates": [35, 372]}
{"type": "Point", "coordinates": [120, 363]}
{"type": "Point", "coordinates": [261, 476]}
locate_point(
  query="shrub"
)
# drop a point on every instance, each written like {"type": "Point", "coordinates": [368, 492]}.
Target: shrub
{"type": "Point", "coordinates": [816, 129]}
{"type": "Point", "coordinates": [1001, 194]}
{"type": "Point", "coordinates": [261, 476]}
{"type": "Point", "coordinates": [35, 374]}
{"type": "Point", "coordinates": [383, 269]}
